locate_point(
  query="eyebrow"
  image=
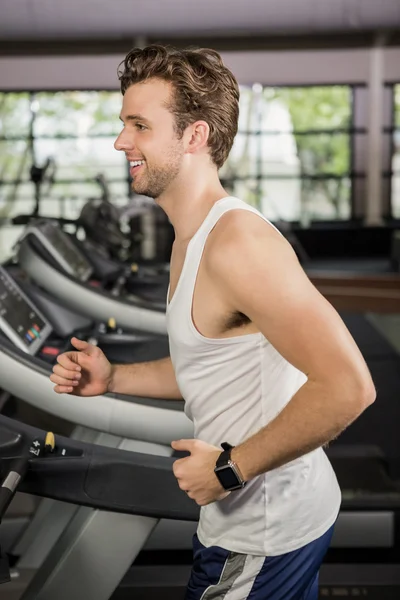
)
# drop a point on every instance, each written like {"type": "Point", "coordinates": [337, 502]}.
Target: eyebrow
{"type": "Point", "coordinates": [133, 118]}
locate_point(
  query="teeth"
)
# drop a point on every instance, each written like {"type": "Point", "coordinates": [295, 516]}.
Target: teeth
{"type": "Point", "coordinates": [136, 163]}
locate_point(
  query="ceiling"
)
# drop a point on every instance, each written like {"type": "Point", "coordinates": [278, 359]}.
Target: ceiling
{"type": "Point", "coordinates": [115, 19]}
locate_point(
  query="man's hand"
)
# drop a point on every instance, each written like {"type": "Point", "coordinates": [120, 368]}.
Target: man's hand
{"type": "Point", "coordinates": [82, 372]}
{"type": "Point", "coordinates": [195, 473]}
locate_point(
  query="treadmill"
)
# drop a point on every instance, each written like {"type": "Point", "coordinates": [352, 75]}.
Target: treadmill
{"type": "Point", "coordinates": [26, 358]}
{"type": "Point", "coordinates": [54, 261]}
{"type": "Point", "coordinates": [100, 480]}
{"type": "Point", "coordinates": [122, 489]}
{"type": "Point", "coordinates": [27, 353]}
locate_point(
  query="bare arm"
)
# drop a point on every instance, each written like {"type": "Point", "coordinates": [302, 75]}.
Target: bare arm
{"type": "Point", "coordinates": [87, 372]}
{"type": "Point", "coordinates": [261, 277]}
{"type": "Point", "coordinates": [155, 379]}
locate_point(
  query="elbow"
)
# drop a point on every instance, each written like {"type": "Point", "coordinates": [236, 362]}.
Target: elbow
{"type": "Point", "coordinates": [365, 395]}
{"type": "Point", "coordinates": [369, 395]}
{"type": "Point", "coordinates": [355, 394]}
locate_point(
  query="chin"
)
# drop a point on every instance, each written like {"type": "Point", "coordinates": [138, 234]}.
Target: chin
{"type": "Point", "coordinates": [142, 191]}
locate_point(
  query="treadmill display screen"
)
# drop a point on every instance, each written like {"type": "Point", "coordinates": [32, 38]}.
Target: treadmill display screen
{"type": "Point", "coordinates": [19, 319]}
{"type": "Point", "coordinates": [78, 266]}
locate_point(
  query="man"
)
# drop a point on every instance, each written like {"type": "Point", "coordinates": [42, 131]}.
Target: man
{"type": "Point", "coordinates": [264, 363]}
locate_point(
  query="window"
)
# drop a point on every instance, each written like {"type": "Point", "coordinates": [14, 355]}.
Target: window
{"type": "Point", "coordinates": [395, 195]}
{"type": "Point", "coordinates": [292, 156]}
{"type": "Point", "coordinates": [77, 129]}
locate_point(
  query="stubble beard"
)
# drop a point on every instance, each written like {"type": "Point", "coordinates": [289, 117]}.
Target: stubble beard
{"type": "Point", "coordinates": [156, 179]}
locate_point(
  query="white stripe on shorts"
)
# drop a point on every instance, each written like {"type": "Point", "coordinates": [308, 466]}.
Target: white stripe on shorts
{"type": "Point", "coordinates": [243, 584]}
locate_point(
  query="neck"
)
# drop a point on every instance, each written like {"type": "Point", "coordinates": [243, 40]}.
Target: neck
{"type": "Point", "coordinates": [188, 206]}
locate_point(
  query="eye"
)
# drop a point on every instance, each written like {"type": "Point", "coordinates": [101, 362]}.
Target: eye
{"type": "Point", "coordinates": [140, 127]}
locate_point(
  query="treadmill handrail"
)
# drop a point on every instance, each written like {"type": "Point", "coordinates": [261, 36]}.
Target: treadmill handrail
{"type": "Point", "coordinates": [45, 368]}
{"type": "Point", "coordinates": [80, 297]}
{"type": "Point", "coordinates": [42, 252]}
{"type": "Point", "coordinates": [101, 477]}
{"type": "Point", "coordinates": [139, 420]}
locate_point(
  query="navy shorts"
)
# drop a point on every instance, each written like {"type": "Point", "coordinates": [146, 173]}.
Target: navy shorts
{"type": "Point", "coordinates": [218, 574]}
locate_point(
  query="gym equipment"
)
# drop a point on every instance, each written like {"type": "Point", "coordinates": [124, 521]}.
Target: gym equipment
{"type": "Point", "coordinates": [25, 369]}
{"type": "Point", "coordinates": [99, 546]}
{"type": "Point", "coordinates": [101, 478]}
{"type": "Point", "coordinates": [50, 258]}
{"type": "Point", "coordinates": [33, 331]}
{"type": "Point", "coordinates": [100, 220]}
{"type": "Point", "coordinates": [28, 329]}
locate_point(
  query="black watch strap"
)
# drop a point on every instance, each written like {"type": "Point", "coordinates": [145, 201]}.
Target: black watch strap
{"type": "Point", "coordinates": [225, 456]}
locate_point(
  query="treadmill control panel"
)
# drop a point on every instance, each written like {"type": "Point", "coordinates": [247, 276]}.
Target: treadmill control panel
{"type": "Point", "coordinates": [62, 249]}
{"type": "Point", "coordinates": [20, 320]}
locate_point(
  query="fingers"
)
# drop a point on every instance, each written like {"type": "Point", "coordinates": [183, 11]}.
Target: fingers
{"type": "Point", "coordinates": [63, 389]}
{"type": "Point", "coordinates": [183, 485]}
{"type": "Point", "coordinates": [64, 380]}
{"type": "Point", "coordinates": [83, 346]}
{"type": "Point", "coordinates": [183, 444]}
{"type": "Point", "coordinates": [66, 373]}
{"type": "Point", "coordinates": [69, 360]}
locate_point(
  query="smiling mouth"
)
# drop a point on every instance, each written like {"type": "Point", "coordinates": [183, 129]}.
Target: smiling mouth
{"type": "Point", "coordinates": [135, 166]}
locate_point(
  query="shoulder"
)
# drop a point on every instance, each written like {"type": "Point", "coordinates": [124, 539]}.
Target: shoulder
{"type": "Point", "coordinates": [241, 236]}
{"type": "Point", "coordinates": [240, 221]}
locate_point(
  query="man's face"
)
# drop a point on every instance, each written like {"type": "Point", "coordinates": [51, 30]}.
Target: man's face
{"type": "Point", "coordinates": [148, 138]}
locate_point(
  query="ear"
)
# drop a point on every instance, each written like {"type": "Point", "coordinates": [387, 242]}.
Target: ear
{"type": "Point", "coordinates": [198, 134]}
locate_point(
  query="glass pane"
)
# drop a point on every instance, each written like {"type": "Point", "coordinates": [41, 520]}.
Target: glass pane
{"type": "Point", "coordinates": [243, 158]}
{"type": "Point", "coordinates": [284, 135]}
{"type": "Point", "coordinates": [287, 153]}
{"type": "Point", "coordinates": [294, 108]}
{"type": "Point", "coordinates": [396, 192]}
{"type": "Point", "coordinates": [9, 236]}
{"type": "Point", "coordinates": [310, 154]}
{"type": "Point", "coordinates": [281, 199]}
{"type": "Point", "coordinates": [322, 107]}
{"type": "Point", "coordinates": [71, 197]}
{"type": "Point", "coordinates": [16, 199]}
{"type": "Point", "coordinates": [118, 190]}
{"type": "Point", "coordinates": [296, 199]}
{"type": "Point", "coordinates": [247, 190]}
{"type": "Point", "coordinates": [77, 113]}
{"type": "Point", "coordinates": [15, 160]}
{"type": "Point", "coordinates": [106, 115]}
{"type": "Point", "coordinates": [60, 200]}
{"type": "Point", "coordinates": [15, 114]}
{"type": "Point", "coordinates": [325, 199]}
{"type": "Point", "coordinates": [82, 158]}
{"type": "Point", "coordinates": [324, 153]}
{"type": "Point", "coordinates": [252, 108]}
{"type": "Point", "coordinates": [397, 105]}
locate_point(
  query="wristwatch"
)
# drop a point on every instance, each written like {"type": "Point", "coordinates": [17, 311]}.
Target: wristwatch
{"type": "Point", "coordinates": [227, 471]}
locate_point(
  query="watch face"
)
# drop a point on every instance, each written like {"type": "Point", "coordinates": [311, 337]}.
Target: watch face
{"type": "Point", "coordinates": [227, 477]}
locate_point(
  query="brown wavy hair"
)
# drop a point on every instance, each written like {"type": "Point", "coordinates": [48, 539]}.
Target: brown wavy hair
{"type": "Point", "coordinates": [203, 89]}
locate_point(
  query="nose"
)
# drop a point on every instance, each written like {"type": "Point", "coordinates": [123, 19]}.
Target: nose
{"type": "Point", "coordinates": [123, 142]}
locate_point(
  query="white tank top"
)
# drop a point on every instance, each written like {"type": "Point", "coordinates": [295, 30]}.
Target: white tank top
{"type": "Point", "coordinates": [232, 388]}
